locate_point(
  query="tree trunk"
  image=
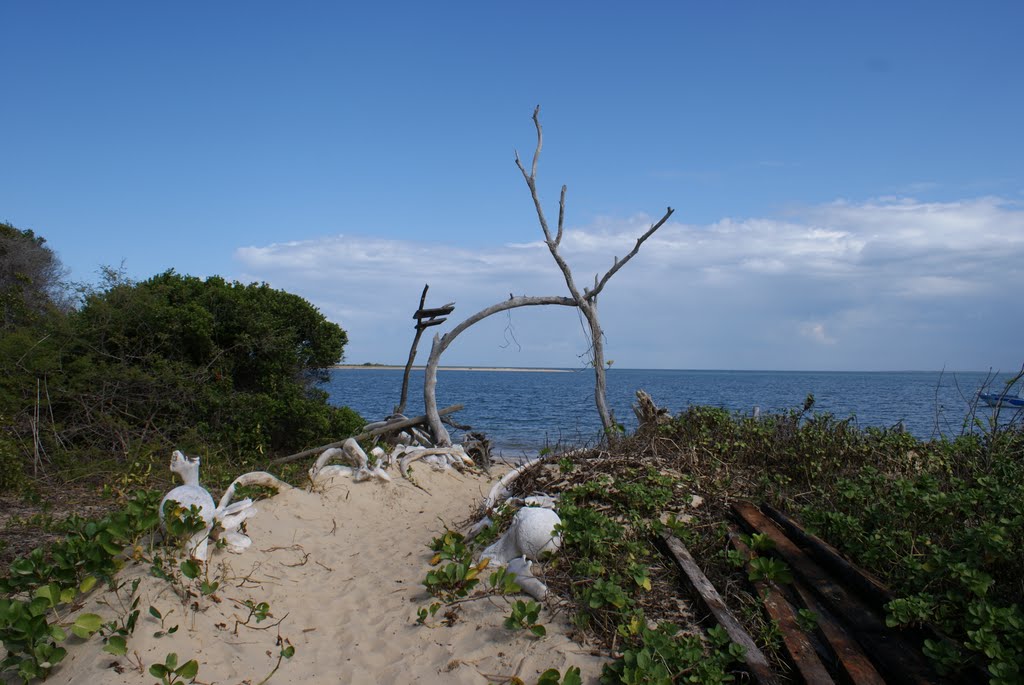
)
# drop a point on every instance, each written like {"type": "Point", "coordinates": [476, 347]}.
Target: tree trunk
{"type": "Point", "coordinates": [589, 309]}
{"type": "Point", "coordinates": [585, 301]}
{"type": "Point", "coordinates": [400, 409]}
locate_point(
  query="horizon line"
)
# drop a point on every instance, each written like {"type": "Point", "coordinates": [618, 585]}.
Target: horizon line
{"type": "Point", "coordinates": [556, 369]}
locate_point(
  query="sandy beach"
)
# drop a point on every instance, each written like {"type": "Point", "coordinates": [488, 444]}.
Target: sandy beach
{"type": "Point", "coordinates": [342, 571]}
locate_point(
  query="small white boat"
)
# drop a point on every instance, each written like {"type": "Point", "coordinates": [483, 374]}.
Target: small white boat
{"type": "Point", "coordinates": [1002, 399]}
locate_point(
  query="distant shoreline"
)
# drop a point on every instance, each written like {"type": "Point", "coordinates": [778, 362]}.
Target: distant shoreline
{"type": "Point", "coordinates": [371, 367]}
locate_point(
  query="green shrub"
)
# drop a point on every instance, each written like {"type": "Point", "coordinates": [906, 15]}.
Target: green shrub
{"type": "Point", "coordinates": [222, 369]}
{"type": "Point", "coordinates": [12, 466]}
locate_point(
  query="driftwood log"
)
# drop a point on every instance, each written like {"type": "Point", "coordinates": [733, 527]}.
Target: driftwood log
{"type": "Point", "coordinates": [457, 454]}
{"type": "Point", "coordinates": [796, 643]}
{"type": "Point", "coordinates": [400, 407]}
{"type": "Point", "coordinates": [260, 478]}
{"type": "Point", "coordinates": [754, 657]}
{"type": "Point", "coordinates": [388, 427]}
{"type": "Point", "coordinates": [893, 653]}
{"type": "Point", "coordinates": [648, 414]}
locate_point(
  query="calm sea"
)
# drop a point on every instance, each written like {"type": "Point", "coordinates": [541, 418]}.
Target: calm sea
{"type": "Point", "coordinates": [523, 411]}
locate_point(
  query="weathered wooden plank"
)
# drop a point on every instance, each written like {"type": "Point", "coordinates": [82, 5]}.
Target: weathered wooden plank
{"type": "Point", "coordinates": [796, 643]}
{"type": "Point", "coordinates": [894, 656]}
{"type": "Point", "coordinates": [846, 653]}
{"type": "Point", "coordinates": [754, 657]}
{"type": "Point", "coordinates": [864, 584]}
{"type": "Point", "coordinates": [432, 322]}
{"type": "Point", "coordinates": [435, 311]}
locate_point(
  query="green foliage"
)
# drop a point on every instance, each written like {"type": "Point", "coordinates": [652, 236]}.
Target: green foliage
{"type": "Point", "coordinates": [47, 580]}
{"type": "Point", "coordinates": [257, 610]}
{"type": "Point", "coordinates": [524, 615]}
{"type": "Point", "coordinates": [234, 361]}
{"type": "Point", "coordinates": [181, 524]}
{"type": "Point", "coordinates": [287, 651]}
{"type": "Point", "coordinates": [950, 544]}
{"type": "Point", "coordinates": [769, 569]}
{"type": "Point", "coordinates": [31, 277]}
{"type": "Point", "coordinates": [117, 631]}
{"type": "Point", "coordinates": [500, 520]}
{"type": "Point", "coordinates": [456, 579]}
{"type": "Point", "coordinates": [170, 672]}
{"type": "Point", "coordinates": [607, 526]}
{"type": "Point", "coordinates": [940, 522]}
{"type": "Point", "coordinates": [605, 593]}
{"type": "Point", "coordinates": [807, 620]}
{"type": "Point", "coordinates": [31, 639]}
{"type": "Point", "coordinates": [12, 465]}
{"type": "Point", "coordinates": [660, 656]}
{"type": "Point", "coordinates": [32, 642]}
{"type": "Point", "coordinates": [254, 492]}
{"type": "Point", "coordinates": [90, 548]}
{"type": "Point", "coordinates": [158, 615]}
{"type": "Point", "coordinates": [211, 366]}
{"type": "Point", "coordinates": [553, 677]}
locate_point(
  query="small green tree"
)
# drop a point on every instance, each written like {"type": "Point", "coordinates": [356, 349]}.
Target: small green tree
{"type": "Point", "coordinates": [210, 361]}
{"type": "Point", "coordinates": [207, 365]}
{"type": "Point", "coordinates": [31, 277]}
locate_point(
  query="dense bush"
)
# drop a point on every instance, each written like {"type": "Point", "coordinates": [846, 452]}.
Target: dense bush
{"type": "Point", "coordinates": [940, 522]}
{"type": "Point", "coordinates": [223, 369]}
{"type": "Point", "coordinates": [226, 364]}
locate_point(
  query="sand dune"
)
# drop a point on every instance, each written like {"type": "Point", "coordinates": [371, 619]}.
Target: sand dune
{"type": "Point", "coordinates": [343, 568]}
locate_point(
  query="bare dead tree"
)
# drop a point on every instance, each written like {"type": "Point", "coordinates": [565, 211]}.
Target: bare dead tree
{"type": "Point", "coordinates": [585, 301]}
{"type": "Point", "coordinates": [400, 407]}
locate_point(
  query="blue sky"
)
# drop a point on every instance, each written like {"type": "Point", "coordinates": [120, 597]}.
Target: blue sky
{"type": "Point", "coordinates": [848, 178]}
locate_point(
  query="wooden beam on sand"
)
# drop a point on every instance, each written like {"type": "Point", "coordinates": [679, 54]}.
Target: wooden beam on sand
{"type": "Point", "coordinates": [389, 428]}
{"type": "Point", "coordinates": [754, 657]}
{"type": "Point", "coordinates": [795, 641]}
{"type": "Point", "coordinates": [866, 585]}
{"type": "Point", "coordinates": [893, 655]}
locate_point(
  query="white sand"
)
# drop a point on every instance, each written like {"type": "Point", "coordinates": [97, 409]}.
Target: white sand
{"type": "Point", "coordinates": [346, 566]}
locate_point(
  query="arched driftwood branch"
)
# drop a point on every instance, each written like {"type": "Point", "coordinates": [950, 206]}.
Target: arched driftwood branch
{"type": "Point", "coordinates": [585, 300]}
{"type": "Point", "coordinates": [441, 343]}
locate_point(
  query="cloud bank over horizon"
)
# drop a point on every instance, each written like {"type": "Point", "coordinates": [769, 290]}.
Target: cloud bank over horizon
{"type": "Point", "coordinates": [886, 284]}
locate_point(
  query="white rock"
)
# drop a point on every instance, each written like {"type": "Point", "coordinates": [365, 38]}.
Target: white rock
{"type": "Point", "coordinates": [531, 534]}
{"type": "Point", "coordinates": [525, 578]}
{"type": "Point", "coordinates": [188, 495]}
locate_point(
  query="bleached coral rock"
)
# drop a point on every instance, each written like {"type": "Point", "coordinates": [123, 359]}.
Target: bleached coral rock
{"type": "Point", "coordinates": [188, 495]}
{"type": "Point", "coordinates": [226, 518]}
{"type": "Point", "coordinates": [531, 534]}
{"type": "Point", "coordinates": [525, 579]}
{"type": "Point", "coordinates": [352, 453]}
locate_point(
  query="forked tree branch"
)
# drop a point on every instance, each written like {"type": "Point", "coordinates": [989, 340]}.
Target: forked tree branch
{"type": "Point", "coordinates": [586, 301]}
{"type": "Point", "coordinates": [531, 182]}
{"type": "Point", "coordinates": [561, 217]}
{"type": "Point", "coordinates": [618, 264]}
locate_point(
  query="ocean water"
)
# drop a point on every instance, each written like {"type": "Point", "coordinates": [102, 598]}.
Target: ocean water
{"type": "Point", "coordinates": [523, 411]}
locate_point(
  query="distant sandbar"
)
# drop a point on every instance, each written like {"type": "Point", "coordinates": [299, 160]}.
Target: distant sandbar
{"type": "Point", "coordinates": [371, 367]}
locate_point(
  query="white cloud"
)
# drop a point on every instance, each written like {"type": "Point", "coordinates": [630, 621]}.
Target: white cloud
{"type": "Point", "coordinates": [888, 283]}
{"type": "Point", "coordinates": [816, 332]}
